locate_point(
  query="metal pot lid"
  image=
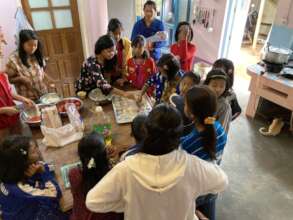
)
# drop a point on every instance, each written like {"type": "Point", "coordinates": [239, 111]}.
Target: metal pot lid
{"type": "Point", "coordinates": [280, 50]}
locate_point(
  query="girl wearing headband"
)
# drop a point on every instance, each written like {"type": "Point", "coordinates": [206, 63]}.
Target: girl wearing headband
{"type": "Point", "coordinates": [218, 81]}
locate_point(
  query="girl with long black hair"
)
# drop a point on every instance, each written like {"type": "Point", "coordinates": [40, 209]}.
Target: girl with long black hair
{"type": "Point", "coordinates": [25, 67]}
{"type": "Point", "coordinates": [95, 165]}
{"type": "Point", "coordinates": [207, 139]}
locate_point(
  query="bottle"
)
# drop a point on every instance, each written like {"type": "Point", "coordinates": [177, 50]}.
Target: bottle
{"type": "Point", "coordinates": [102, 125]}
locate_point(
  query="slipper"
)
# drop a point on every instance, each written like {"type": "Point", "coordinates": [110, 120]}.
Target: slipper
{"type": "Point", "coordinates": [274, 129]}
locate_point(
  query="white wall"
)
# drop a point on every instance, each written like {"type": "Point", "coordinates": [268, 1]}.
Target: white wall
{"type": "Point", "coordinates": [8, 24]}
{"type": "Point", "coordinates": [93, 17]}
{"type": "Point", "coordinates": [124, 10]}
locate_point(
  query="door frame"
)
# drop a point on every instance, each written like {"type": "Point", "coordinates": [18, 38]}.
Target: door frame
{"type": "Point", "coordinates": [228, 30]}
{"type": "Point", "coordinates": [82, 6]}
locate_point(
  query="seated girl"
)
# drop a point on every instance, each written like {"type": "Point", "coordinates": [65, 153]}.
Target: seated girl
{"type": "Point", "coordinates": [95, 69]}
{"type": "Point", "coordinates": [140, 67]}
{"type": "Point", "coordinates": [123, 46]}
{"type": "Point", "coordinates": [188, 80]}
{"type": "Point", "coordinates": [166, 81]}
{"type": "Point", "coordinates": [207, 139]}
{"type": "Point", "coordinates": [9, 113]}
{"type": "Point", "coordinates": [25, 67]}
{"type": "Point", "coordinates": [95, 165]}
{"type": "Point", "coordinates": [218, 81]}
{"type": "Point", "coordinates": [183, 48]}
{"type": "Point", "coordinates": [228, 67]}
{"type": "Point", "coordinates": [28, 190]}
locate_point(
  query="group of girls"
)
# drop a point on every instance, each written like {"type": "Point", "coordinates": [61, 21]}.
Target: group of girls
{"type": "Point", "coordinates": [172, 170]}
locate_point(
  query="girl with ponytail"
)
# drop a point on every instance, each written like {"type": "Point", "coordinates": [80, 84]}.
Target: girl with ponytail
{"type": "Point", "coordinates": [207, 139]}
{"type": "Point", "coordinates": [94, 166]}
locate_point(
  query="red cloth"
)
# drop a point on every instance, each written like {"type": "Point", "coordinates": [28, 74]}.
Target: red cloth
{"type": "Point", "coordinates": [139, 70]}
{"type": "Point", "coordinates": [79, 210]}
{"type": "Point", "coordinates": [186, 51]}
{"type": "Point", "coordinates": [6, 100]}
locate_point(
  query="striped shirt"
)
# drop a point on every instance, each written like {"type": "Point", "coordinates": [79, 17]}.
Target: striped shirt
{"type": "Point", "coordinates": [192, 143]}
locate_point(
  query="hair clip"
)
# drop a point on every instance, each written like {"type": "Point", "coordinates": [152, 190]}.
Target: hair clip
{"type": "Point", "coordinates": [23, 152]}
{"type": "Point", "coordinates": [209, 120]}
{"type": "Point", "coordinates": [91, 164]}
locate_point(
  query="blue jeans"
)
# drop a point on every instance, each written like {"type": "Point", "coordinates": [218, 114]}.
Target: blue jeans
{"type": "Point", "coordinates": [207, 205]}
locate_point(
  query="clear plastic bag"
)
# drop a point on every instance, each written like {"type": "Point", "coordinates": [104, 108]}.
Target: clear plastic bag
{"type": "Point", "coordinates": [74, 117]}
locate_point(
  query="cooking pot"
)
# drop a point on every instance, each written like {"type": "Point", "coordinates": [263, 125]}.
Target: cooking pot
{"type": "Point", "coordinates": [276, 55]}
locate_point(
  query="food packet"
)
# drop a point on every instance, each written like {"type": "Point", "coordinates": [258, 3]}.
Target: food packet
{"type": "Point", "coordinates": [51, 117]}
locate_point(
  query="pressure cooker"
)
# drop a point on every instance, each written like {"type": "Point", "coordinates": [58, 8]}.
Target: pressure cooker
{"type": "Point", "coordinates": [276, 55]}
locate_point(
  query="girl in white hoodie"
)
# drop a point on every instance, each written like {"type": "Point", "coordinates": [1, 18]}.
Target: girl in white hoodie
{"type": "Point", "coordinates": [161, 182]}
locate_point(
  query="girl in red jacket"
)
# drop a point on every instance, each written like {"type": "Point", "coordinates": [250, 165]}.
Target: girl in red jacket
{"type": "Point", "coordinates": [183, 49]}
{"type": "Point", "coordinates": [141, 66]}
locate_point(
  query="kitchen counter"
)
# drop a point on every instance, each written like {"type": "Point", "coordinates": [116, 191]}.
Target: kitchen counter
{"type": "Point", "coordinates": [269, 86]}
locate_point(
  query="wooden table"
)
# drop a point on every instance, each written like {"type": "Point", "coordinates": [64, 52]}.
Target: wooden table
{"type": "Point", "coordinates": [68, 154]}
{"type": "Point", "coordinates": [270, 86]}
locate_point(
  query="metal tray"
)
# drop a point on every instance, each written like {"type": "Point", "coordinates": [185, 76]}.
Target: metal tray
{"type": "Point", "coordinates": [125, 110]}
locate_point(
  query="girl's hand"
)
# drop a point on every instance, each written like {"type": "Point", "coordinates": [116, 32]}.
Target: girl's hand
{"type": "Point", "coordinates": [121, 82]}
{"type": "Point", "coordinates": [139, 99]}
{"type": "Point", "coordinates": [34, 168]}
{"type": "Point", "coordinates": [28, 102]}
{"type": "Point", "coordinates": [130, 96]}
{"type": "Point", "coordinates": [10, 110]}
{"type": "Point", "coordinates": [112, 151]}
{"type": "Point", "coordinates": [200, 215]}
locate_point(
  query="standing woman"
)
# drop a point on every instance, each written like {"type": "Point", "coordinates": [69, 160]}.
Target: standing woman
{"type": "Point", "coordinates": [149, 26]}
{"type": "Point", "coordinates": [183, 48]}
{"type": "Point", "coordinates": [123, 46]}
{"type": "Point", "coordinates": [25, 67]}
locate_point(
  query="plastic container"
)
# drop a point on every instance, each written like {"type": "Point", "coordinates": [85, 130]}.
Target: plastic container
{"type": "Point", "coordinates": [102, 125]}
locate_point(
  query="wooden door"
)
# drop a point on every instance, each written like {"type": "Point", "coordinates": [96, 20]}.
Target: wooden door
{"type": "Point", "coordinates": [57, 25]}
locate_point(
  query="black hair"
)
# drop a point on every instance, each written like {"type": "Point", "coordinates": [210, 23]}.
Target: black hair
{"type": "Point", "coordinates": [163, 130]}
{"type": "Point", "coordinates": [114, 24]}
{"type": "Point", "coordinates": [139, 40]}
{"type": "Point", "coordinates": [150, 3]}
{"type": "Point", "coordinates": [137, 128]}
{"type": "Point", "coordinates": [201, 102]}
{"type": "Point", "coordinates": [228, 68]}
{"type": "Point", "coordinates": [103, 43]}
{"type": "Point", "coordinates": [218, 74]}
{"type": "Point", "coordinates": [172, 64]}
{"type": "Point", "coordinates": [193, 76]}
{"type": "Point", "coordinates": [93, 146]}
{"type": "Point", "coordinates": [14, 158]}
{"type": "Point", "coordinates": [178, 30]}
{"type": "Point", "coordinates": [24, 36]}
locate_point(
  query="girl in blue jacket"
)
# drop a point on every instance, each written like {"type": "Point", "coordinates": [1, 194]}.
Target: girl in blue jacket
{"type": "Point", "coordinates": [28, 190]}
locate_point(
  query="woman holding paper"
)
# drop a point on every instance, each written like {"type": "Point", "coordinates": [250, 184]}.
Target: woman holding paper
{"type": "Point", "coordinates": [148, 27]}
